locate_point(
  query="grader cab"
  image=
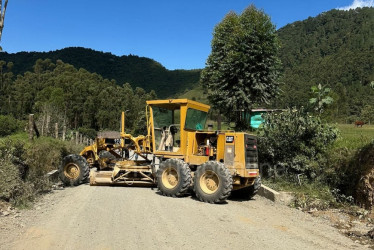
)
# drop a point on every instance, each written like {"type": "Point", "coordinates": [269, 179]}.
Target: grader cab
{"type": "Point", "coordinates": [178, 155]}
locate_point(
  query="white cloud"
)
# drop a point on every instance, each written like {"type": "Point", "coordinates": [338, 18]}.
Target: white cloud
{"type": "Point", "coordinates": [358, 4]}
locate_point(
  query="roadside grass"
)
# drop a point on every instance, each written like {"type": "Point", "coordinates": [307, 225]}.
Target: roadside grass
{"type": "Point", "coordinates": [308, 195]}
{"type": "Point", "coordinates": [24, 164]}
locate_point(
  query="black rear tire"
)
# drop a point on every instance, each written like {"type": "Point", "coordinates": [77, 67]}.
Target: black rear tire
{"type": "Point", "coordinates": [249, 192]}
{"type": "Point", "coordinates": [212, 182]}
{"type": "Point", "coordinates": [174, 178]}
{"type": "Point", "coordinates": [74, 170]}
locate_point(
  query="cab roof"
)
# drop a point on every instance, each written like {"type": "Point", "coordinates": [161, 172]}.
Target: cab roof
{"type": "Point", "coordinates": [176, 103]}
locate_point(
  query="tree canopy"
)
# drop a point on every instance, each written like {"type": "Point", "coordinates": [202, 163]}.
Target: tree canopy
{"type": "Point", "coordinates": [242, 69]}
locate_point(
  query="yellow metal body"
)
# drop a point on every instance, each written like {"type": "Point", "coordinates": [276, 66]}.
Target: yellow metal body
{"type": "Point", "coordinates": [175, 129]}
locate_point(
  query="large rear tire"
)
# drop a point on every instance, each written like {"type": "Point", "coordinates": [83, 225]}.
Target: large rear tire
{"type": "Point", "coordinates": [74, 170]}
{"type": "Point", "coordinates": [174, 178]}
{"type": "Point", "coordinates": [249, 192]}
{"type": "Point", "coordinates": [212, 182]}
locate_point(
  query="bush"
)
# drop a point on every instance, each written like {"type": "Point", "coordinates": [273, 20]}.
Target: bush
{"type": "Point", "coordinates": [295, 142]}
{"type": "Point", "coordinates": [24, 164]}
{"type": "Point", "coordinates": [8, 125]}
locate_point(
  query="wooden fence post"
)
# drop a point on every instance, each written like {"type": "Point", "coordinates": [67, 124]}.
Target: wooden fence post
{"type": "Point", "coordinates": [56, 130]}
{"type": "Point", "coordinates": [63, 132]}
{"type": "Point", "coordinates": [43, 125]}
{"type": "Point", "coordinates": [80, 138]}
{"type": "Point", "coordinates": [47, 125]}
{"type": "Point", "coordinates": [31, 127]}
{"type": "Point", "coordinates": [76, 138]}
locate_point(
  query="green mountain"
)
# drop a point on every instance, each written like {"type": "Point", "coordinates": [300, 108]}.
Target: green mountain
{"type": "Point", "coordinates": [335, 49]}
{"type": "Point", "coordinates": [138, 71]}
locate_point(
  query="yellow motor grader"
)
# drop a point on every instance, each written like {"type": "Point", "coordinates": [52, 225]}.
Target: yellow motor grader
{"type": "Point", "coordinates": [177, 154]}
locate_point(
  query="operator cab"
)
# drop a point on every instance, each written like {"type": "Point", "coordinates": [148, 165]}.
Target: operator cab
{"type": "Point", "coordinates": [171, 120]}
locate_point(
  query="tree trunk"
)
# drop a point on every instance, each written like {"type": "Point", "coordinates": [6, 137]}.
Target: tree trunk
{"type": "Point", "coordinates": [219, 121]}
{"type": "Point", "coordinates": [2, 16]}
{"type": "Point", "coordinates": [56, 130]}
{"type": "Point", "coordinates": [31, 127]}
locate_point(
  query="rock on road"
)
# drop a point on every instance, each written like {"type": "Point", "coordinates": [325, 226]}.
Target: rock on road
{"type": "Point", "coordinates": [103, 217]}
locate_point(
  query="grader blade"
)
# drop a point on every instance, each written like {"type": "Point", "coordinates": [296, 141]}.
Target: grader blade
{"type": "Point", "coordinates": [101, 178]}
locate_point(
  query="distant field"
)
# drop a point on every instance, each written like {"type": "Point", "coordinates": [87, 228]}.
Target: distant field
{"type": "Point", "coordinates": [196, 94]}
{"type": "Point", "coordinates": [352, 137]}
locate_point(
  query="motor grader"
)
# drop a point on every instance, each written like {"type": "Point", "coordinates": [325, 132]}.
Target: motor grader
{"type": "Point", "coordinates": [178, 155]}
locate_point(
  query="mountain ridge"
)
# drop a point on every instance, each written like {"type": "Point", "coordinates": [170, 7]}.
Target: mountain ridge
{"type": "Point", "coordinates": [138, 71]}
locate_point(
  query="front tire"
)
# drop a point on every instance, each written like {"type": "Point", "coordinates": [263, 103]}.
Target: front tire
{"type": "Point", "coordinates": [74, 170]}
{"type": "Point", "coordinates": [173, 178]}
{"type": "Point", "coordinates": [212, 182]}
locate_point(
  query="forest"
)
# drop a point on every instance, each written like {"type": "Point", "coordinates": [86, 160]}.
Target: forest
{"type": "Point", "coordinates": [70, 96]}
{"type": "Point", "coordinates": [140, 72]}
{"type": "Point", "coordinates": [334, 49]}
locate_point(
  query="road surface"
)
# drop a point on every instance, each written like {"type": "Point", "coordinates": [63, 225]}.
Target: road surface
{"type": "Point", "coordinates": [103, 217]}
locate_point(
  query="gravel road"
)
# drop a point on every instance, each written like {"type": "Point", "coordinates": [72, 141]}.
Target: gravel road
{"type": "Point", "coordinates": [87, 217]}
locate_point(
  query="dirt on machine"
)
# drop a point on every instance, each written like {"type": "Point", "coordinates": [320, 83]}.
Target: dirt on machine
{"type": "Point", "coordinates": [178, 155]}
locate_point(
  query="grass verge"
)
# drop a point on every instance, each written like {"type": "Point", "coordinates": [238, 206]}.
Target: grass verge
{"type": "Point", "coordinates": [24, 164]}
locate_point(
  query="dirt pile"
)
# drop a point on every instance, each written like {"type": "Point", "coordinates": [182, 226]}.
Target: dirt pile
{"type": "Point", "coordinates": [363, 166]}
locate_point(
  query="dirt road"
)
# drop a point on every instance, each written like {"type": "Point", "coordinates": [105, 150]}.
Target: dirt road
{"type": "Point", "coordinates": [139, 218]}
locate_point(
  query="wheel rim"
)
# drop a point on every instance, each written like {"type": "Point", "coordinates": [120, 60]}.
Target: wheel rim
{"type": "Point", "coordinates": [170, 178]}
{"type": "Point", "coordinates": [90, 160]}
{"type": "Point", "coordinates": [209, 182]}
{"type": "Point", "coordinates": [72, 171]}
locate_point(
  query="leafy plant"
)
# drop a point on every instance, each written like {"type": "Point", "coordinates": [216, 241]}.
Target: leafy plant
{"type": "Point", "coordinates": [321, 99]}
{"type": "Point", "coordinates": [8, 125]}
{"type": "Point", "coordinates": [296, 142]}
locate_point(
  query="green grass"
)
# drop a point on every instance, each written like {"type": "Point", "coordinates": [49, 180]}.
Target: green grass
{"type": "Point", "coordinates": [19, 137]}
{"type": "Point", "coordinates": [307, 195]}
{"type": "Point", "coordinates": [352, 137]}
{"type": "Point", "coordinates": [196, 94]}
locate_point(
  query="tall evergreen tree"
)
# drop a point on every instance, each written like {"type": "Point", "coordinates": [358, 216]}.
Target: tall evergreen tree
{"type": "Point", "coordinates": [242, 69]}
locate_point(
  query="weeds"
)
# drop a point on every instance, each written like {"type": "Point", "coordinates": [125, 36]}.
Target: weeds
{"type": "Point", "coordinates": [24, 164]}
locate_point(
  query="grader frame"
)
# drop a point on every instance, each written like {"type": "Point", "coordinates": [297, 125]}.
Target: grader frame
{"type": "Point", "coordinates": [177, 154]}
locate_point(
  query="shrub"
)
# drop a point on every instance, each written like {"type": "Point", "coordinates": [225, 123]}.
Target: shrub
{"type": "Point", "coordinates": [8, 125]}
{"type": "Point", "coordinates": [24, 164]}
{"type": "Point", "coordinates": [296, 142]}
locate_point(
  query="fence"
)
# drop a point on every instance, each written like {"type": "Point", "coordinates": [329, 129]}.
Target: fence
{"type": "Point", "coordinates": [74, 136]}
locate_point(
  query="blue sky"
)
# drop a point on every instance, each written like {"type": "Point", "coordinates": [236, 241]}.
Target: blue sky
{"type": "Point", "coordinates": [173, 32]}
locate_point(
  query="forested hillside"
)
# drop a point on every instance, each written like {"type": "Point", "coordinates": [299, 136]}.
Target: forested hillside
{"type": "Point", "coordinates": [138, 71]}
{"type": "Point", "coordinates": [335, 49]}
{"type": "Point", "coordinates": [70, 96]}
